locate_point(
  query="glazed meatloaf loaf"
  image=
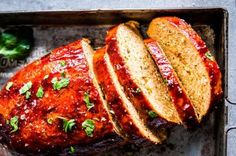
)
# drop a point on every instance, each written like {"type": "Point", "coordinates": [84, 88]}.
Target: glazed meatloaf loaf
{"type": "Point", "coordinates": [80, 101]}
{"type": "Point", "coordinates": [192, 61]}
{"type": "Point", "coordinates": [55, 103]}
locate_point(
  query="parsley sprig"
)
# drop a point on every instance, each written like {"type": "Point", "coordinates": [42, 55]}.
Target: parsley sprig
{"type": "Point", "coordinates": [88, 126]}
{"type": "Point", "coordinates": [58, 85]}
{"type": "Point", "coordinates": [40, 92]}
{"type": "Point", "coordinates": [87, 101]}
{"type": "Point", "coordinates": [152, 114]}
{"type": "Point", "coordinates": [67, 124]}
{"type": "Point", "coordinates": [72, 150]}
{"type": "Point", "coordinates": [14, 124]}
{"type": "Point", "coordinates": [9, 85]}
{"type": "Point", "coordinates": [25, 89]}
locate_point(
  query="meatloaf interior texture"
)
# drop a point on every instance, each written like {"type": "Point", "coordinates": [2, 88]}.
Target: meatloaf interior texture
{"type": "Point", "coordinates": [178, 94]}
{"type": "Point", "coordinates": [190, 59]}
{"type": "Point", "coordinates": [125, 112]}
{"type": "Point", "coordinates": [136, 68]}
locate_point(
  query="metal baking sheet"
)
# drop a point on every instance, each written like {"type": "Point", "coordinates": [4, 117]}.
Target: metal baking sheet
{"type": "Point", "coordinates": [57, 28]}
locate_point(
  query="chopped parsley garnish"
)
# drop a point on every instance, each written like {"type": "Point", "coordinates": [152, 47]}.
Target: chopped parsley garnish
{"type": "Point", "coordinates": [87, 101]}
{"type": "Point", "coordinates": [67, 124]}
{"type": "Point", "coordinates": [63, 74]}
{"type": "Point", "coordinates": [40, 92]}
{"type": "Point", "coordinates": [152, 114]}
{"type": "Point", "coordinates": [72, 150]}
{"type": "Point", "coordinates": [9, 85]}
{"type": "Point", "coordinates": [62, 63]}
{"type": "Point", "coordinates": [58, 85]}
{"type": "Point", "coordinates": [27, 94]}
{"type": "Point", "coordinates": [165, 81]}
{"type": "Point", "coordinates": [26, 87]}
{"type": "Point", "coordinates": [45, 77]}
{"type": "Point", "coordinates": [209, 55]}
{"type": "Point", "coordinates": [88, 126]}
{"type": "Point", "coordinates": [49, 121]}
{"type": "Point", "coordinates": [14, 124]}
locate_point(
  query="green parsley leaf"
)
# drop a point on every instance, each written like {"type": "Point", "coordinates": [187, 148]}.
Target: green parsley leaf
{"type": "Point", "coordinates": [72, 150]}
{"type": "Point", "coordinates": [165, 81]}
{"type": "Point", "coordinates": [26, 87]}
{"type": "Point", "coordinates": [209, 55]}
{"type": "Point", "coordinates": [45, 77]}
{"type": "Point", "coordinates": [88, 126]}
{"type": "Point", "coordinates": [87, 101]}
{"type": "Point", "coordinates": [27, 94]}
{"type": "Point", "coordinates": [67, 124]}
{"type": "Point", "coordinates": [58, 85]}
{"type": "Point", "coordinates": [152, 114]}
{"type": "Point", "coordinates": [49, 121]}
{"type": "Point", "coordinates": [9, 85]}
{"type": "Point", "coordinates": [62, 63]}
{"type": "Point", "coordinates": [54, 80]}
{"type": "Point", "coordinates": [40, 92]}
{"type": "Point", "coordinates": [63, 74]}
{"type": "Point", "coordinates": [14, 124]}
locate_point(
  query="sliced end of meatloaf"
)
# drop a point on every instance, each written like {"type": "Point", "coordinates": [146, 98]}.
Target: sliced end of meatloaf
{"type": "Point", "coordinates": [190, 58]}
{"type": "Point", "coordinates": [89, 53]}
{"type": "Point", "coordinates": [178, 94]}
{"type": "Point", "coordinates": [138, 74]}
{"type": "Point", "coordinates": [124, 111]}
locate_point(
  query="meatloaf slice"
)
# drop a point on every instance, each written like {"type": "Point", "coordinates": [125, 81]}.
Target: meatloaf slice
{"type": "Point", "coordinates": [138, 75]}
{"type": "Point", "coordinates": [89, 53]}
{"type": "Point", "coordinates": [178, 94]}
{"type": "Point", "coordinates": [123, 110]}
{"type": "Point", "coordinates": [194, 64]}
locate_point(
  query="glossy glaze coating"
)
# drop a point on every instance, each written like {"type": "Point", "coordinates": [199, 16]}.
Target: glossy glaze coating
{"type": "Point", "coordinates": [36, 133]}
{"type": "Point", "coordinates": [116, 104]}
{"type": "Point", "coordinates": [130, 87]}
{"type": "Point", "coordinates": [210, 63]}
{"type": "Point", "coordinates": [180, 99]}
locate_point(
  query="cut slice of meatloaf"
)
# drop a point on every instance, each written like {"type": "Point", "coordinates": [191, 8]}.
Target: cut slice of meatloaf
{"type": "Point", "coordinates": [138, 75]}
{"type": "Point", "coordinates": [178, 94]}
{"type": "Point", "coordinates": [123, 110]}
{"type": "Point", "coordinates": [191, 59]}
{"type": "Point", "coordinates": [89, 53]}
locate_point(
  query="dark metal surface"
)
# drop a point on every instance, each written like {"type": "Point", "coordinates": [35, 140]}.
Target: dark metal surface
{"type": "Point", "coordinates": [56, 28]}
